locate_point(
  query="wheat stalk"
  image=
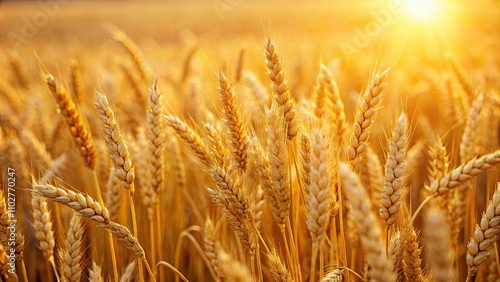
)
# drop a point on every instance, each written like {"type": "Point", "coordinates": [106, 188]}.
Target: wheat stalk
{"type": "Point", "coordinates": [278, 161]}
{"type": "Point", "coordinates": [130, 272]}
{"type": "Point", "coordinates": [71, 254]}
{"type": "Point", "coordinates": [461, 76]}
{"type": "Point", "coordinates": [390, 199]}
{"type": "Point", "coordinates": [468, 143]}
{"type": "Point", "coordinates": [112, 196]}
{"type": "Point", "coordinates": [156, 137]}
{"type": "Point", "coordinates": [320, 198]}
{"type": "Point", "coordinates": [439, 160]}
{"type": "Point", "coordinates": [260, 93]}
{"type": "Point", "coordinates": [366, 109]}
{"type": "Point", "coordinates": [134, 53]}
{"type": "Point", "coordinates": [395, 251]}
{"type": "Point", "coordinates": [95, 273]}
{"type": "Point", "coordinates": [234, 271]}
{"type": "Point", "coordinates": [76, 80]}
{"type": "Point", "coordinates": [238, 136]}
{"type": "Point", "coordinates": [280, 88]}
{"type": "Point", "coordinates": [195, 142]}
{"type": "Point", "coordinates": [372, 175]}
{"type": "Point", "coordinates": [278, 269]}
{"type": "Point", "coordinates": [411, 254]}
{"type": "Point", "coordinates": [319, 97]}
{"type": "Point", "coordinates": [336, 105]}
{"type": "Point", "coordinates": [210, 244]}
{"type": "Point", "coordinates": [117, 148]}
{"type": "Point", "coordinates": [440, 253]}
{"type": "Point", "coordinates": [258, 207]}
{"type": "Point", "coordinates": [485, 235]}
{"type": "Point", "coordinates": [369, 230]}
{"type": "Point", "coordinates": [262, 168]}
{"type": "Point", "coordinates": [37, 149]}
{"type": "Point", "coordinates": [42, 225]}
{"type": "Point", "coordinates": [231, 197]}
{"type": "Point", "coordinates": [215, 143]}
{"type": "Point", "coordinates": [78, 128]}
{"type": "Point", "coordinates": [464, 173]}
{"type": "Point", "coordinates": [89, 208]}
{"type": "Point", "coordinates": [333, 276]}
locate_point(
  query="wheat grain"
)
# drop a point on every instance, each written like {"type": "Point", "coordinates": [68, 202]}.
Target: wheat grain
{"type": "Point", "coordinates": [130, 272]}
{"type": "Point", "coordinates": [333, 276]}
{"type": "Point", "coordinates": [372, 175]}
{"type": "Point", "coordinates": [78, 128]}
{"type": "Point", "coordinates": [238, 137]}
{"type": "Point", "coordinates": [112, 196]}
{"type": "Point", "coordinates": [189, 136]}
{"type": "Point", "coordinates": [210, 244]}
{"type": "Point", "coordinates": [156, 138]}
{"type": "Point", "coordinates": [280, 88]}
{"type": "Point", "coordinates": [439, 160]}
{"type": "Point", "coordinates": [464, 173]}
{"type": "Point", "coordinates": [234, 271]}
{"type": "Point", "coordinates": [336, 104]}
{"type": "Point", "coordinates": [95, 273]}
{"type": "Point", "coordinates": [461, 76]}
{"type": "Point", "coordinates": [366, 109]}
{"type": "Point", "coordinates": [320, 198]}
{"type": "Point", "coordinates": [177, 162]}
{"type": "Point", "coordinates": [396, 252]}
{"type": "Point", "coordinates": [369, 230]}
{"type": "Point", "coordinates": [231, 197]}
{"type": "Point", "coordinates": [438, 241]}
{"type": "Point", "coordinates": [215, 143]}
{"type": "Point", "coordinates": [394, 172]}
{"type": "Point", "coordinates": [117, 148]}
{"type": "Point", "coordinates": [42, 225]}
{"type": "Point", "coordinates": [485, 235]}
{"type": "Point", "coordinates": [319, 98]}
{"type": "Point", "coordinates": [71, 254]}
{"type": "Point", "coordinates": [411, 254]}
{"type": "Point", "coordinates": [278, 269]}
{"type": "Point", "coordinates": [262, 167]}
{"type": "Point", "coordinates": [469, 141]}
{"type": "Point", "coordinates": [76, 80]}
{"type": "Point", "coordinates": [89, 208]}
{"type": "Point", "coordinates": [258, 207]}
{"type": "Point", "coordinates": [278, 161]}
{"type": "Point", "coordinates": [134, 53]}
{"type": "Point", "coordinates": [38, 152]}
{"type": "Point", "coordinates": [259, 91]}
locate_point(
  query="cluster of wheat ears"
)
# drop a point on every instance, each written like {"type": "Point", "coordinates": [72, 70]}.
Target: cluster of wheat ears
{"type": "Point", "coordinates": [260, 187]}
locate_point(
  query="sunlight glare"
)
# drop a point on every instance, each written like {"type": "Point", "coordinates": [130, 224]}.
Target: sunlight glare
{"type": "Point", "coordinates": [423, 9]}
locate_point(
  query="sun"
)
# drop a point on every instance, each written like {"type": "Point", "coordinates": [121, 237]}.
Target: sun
{"type": "Point", "coordinates": [422, 9]}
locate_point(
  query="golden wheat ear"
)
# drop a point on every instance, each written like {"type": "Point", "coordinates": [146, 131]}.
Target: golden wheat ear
{"type": "Point", "coordinates": [75, 121]}
{"type": "Point", "coordinates": [370, 232]}
{"type": "Point", "coordinates": [234, 123]}
{"type": "Point", "coordinates": [482, 242]}
{"type": "Point", "coordinates": [390, 201]}
{"type": "Point", "coordinates": [367, 107]}
{"type": "Point", "coordinates": [280, 89]}
{"type": "Point", "coordinates": [95, 273]}
{"type": "Point", "coordinates": [70, 255]}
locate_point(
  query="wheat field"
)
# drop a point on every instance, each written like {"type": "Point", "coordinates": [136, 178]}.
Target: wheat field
{"type": "Point", "coordinates": [234, 140]}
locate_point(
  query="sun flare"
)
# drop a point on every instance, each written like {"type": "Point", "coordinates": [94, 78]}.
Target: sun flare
{"type": "Point", "coordinates": [423, 9]}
